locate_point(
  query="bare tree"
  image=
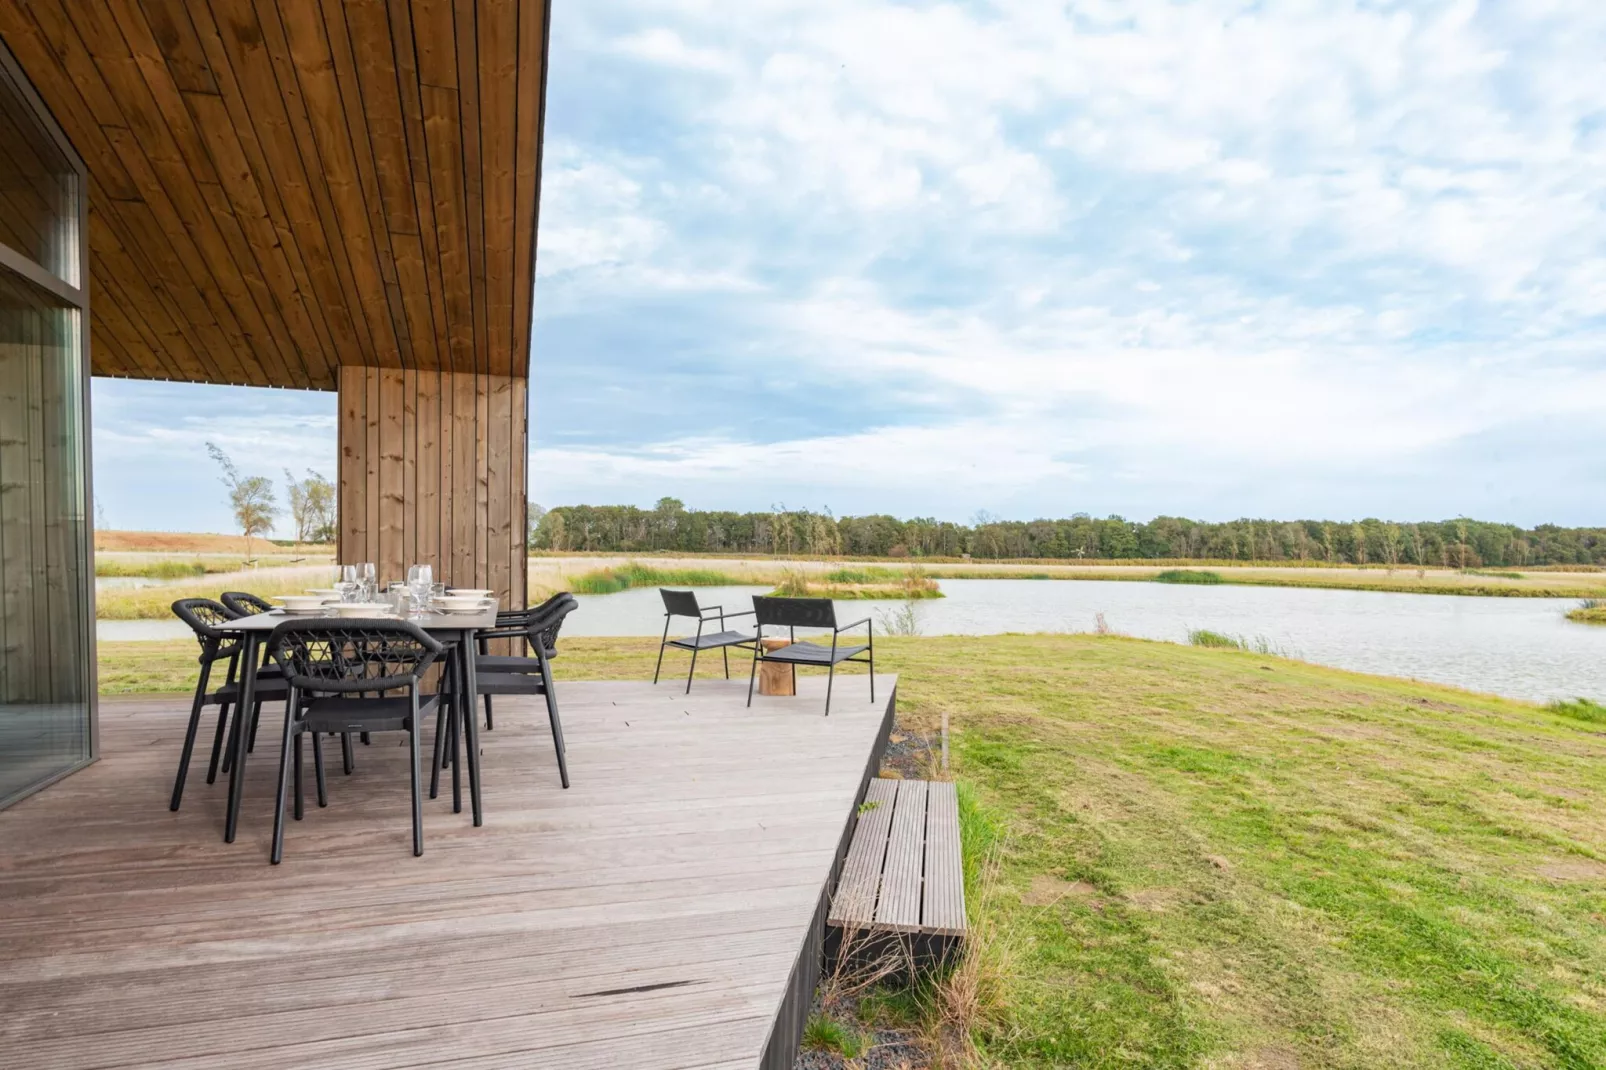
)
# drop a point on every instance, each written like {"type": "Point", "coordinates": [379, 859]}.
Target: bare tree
{"type": "Point", "coordinates": [251, 498]}
{"type": "Point", "coordinates": [312, 506]}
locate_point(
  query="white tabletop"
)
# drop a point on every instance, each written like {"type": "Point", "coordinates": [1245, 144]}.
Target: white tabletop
{"type": "Point", "coordinates": [430, 622]}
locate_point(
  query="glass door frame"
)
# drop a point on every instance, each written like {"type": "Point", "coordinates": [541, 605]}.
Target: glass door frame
{"type": "Point", "coordinates": [12, 75]}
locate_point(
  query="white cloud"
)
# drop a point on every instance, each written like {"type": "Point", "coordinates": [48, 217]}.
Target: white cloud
{"type": "Point", "coordinates": [1259, 237]}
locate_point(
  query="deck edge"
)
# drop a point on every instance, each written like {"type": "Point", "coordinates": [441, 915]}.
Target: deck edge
{"type": "Point", "coordinates": [785, 1038]}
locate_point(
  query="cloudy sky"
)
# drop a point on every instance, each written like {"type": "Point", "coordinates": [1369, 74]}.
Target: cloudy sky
{"type": "Point", "coordinates": [1219, 258]}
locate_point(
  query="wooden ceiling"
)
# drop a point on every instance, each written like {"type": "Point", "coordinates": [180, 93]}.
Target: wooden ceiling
{"type": "Point", "coordinates": [282, 187]}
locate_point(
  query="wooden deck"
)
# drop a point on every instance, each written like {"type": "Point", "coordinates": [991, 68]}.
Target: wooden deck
{"type": "Point", "coordinates": [665, 911]}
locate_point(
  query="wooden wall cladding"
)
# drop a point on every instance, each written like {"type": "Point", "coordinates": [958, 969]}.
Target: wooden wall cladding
{"type": "Point", "coordinates": [279, 188]}
{"type": "Point", "coordinates": [432, 470]}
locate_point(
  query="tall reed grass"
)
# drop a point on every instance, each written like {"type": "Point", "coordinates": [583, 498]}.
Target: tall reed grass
{"type": "Point", "coordinates": [624, 577]}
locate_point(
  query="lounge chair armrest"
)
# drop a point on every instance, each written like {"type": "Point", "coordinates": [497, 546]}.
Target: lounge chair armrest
{"type": "Point", "coordinates": [739, 613]}
{"type": "Point", "coordinates": [855, 624]}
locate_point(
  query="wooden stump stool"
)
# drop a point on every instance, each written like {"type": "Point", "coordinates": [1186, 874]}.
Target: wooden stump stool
{"type": "Point", "coordinates": [775, 677]}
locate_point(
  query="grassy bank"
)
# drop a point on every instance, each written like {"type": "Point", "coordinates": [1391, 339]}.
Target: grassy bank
{"type": "Point", "coordinates": [1589, 611]}
{"type": "Point", "coordinates": [1216, 858]}
{"type": "Point", "coordinates": [152, 603]}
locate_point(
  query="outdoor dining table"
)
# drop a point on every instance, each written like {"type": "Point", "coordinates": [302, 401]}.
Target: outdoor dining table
{"type": "Point", "coordinates": [457, 629]}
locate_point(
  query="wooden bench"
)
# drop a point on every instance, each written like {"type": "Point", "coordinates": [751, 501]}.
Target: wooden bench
{"type": "Point", "coordinates": [902, 885]}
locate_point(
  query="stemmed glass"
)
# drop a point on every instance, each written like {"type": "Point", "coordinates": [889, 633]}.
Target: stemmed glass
{"type": "Point", "coordinates": [420, 581]}
{"type": "Point", "coordinates": [370, 582]}
{"type": "Point", "coordinates": [350, 583]}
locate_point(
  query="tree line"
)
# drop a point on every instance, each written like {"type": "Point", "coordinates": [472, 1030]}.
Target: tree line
{"type": "Point", "coordinates": [1458, 543]}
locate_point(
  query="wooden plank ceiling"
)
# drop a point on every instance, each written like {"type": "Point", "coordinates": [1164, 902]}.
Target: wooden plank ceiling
{"type": "Point", "coordinates": [282, 187]}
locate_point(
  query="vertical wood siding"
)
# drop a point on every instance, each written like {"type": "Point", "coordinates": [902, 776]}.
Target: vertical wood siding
{"type": "Point", "coordinates": [432, 470]}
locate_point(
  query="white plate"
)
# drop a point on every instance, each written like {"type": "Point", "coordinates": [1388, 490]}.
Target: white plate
{"type": "Point", "coordinates": [363, 609]}
{"type": "Point", "coordinates": [464, 611]}
{"type": "Point", "coordinates": [315, 611]}
{"type": "Point", "coordinates": [470, 592]}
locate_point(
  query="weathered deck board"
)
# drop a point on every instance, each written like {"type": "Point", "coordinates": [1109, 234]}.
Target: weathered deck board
{"type": "Point", "coordinates": [854, 902]}
{"type": "Point", "coordinates": [650, 916]}
{"type": "Point", "coordinates": [943, 906]}
{"type": "Point", "coordinates": [899, 906]}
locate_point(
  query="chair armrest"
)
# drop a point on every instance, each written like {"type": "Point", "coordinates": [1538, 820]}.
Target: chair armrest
{"type": "Point", "coordinates": [855, 624]}
{"type": "Point", "coordinates": [739, 613]}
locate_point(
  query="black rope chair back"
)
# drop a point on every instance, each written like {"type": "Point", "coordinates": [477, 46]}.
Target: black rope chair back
{"type": "Point", "coordinates": [204, 616]}
{"type": "Point", "coordinates": [794, 612]}
{"type": "Point", "coordinates": [547, 620]}
{"type": "Point", "coordinates": [333, 667]}
{"type": "Point", "coordinates": [352, 655]}
{"type": "Point", "coordinates": [245, 604]}
{"type": "Point", "coordinates": [681, 603]}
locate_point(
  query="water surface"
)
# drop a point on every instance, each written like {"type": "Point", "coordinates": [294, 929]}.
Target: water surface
{"type": "Point", "coordinates": [1519, 647]}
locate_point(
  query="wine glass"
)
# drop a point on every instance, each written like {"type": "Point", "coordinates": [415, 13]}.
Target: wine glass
{"type": "Point", "coordinates": [370, 581]}
{"type": "Point", "coordinates": [349, 584]}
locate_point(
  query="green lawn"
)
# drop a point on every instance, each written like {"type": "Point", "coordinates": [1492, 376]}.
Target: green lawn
{"type": "Point", "coordinates": [1215, 858]}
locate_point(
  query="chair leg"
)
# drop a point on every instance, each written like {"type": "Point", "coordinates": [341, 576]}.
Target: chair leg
{"type": "Point", "coordinates": [232, 747]}
{"type": "Point", "coordinates": [256, 719]}
{"type": "Point", "coordinates": [725, 650]}
{"type": "Point", "coordinates": [418, 798]}
{"type": "Point", "coordinates": [217, 742]}
{"type": "Point", "coordinates": [455, 728]}
{"type": "Point", "coordinates": [284, 787]}
{"type": "Point", "coordinates": [661, 643]}
{"type": "Point", "coordinates": [557, 725]}
{"type": "Point", "coordinates": [439, 760]}
{"type": "Point", "coordinates": [317, 768]}
{"type": "Point", "coordinates": [347, 758]}
{"type": "Point", "coordinates": [830, 678]}
{"type": "Point", "coordinates": [489, 723]}
{"type": "Point", "coordinates": [752, 676]}
{"type": "Point", "coordinates": [189, 737]}
{"type": "Point", "coordinates": [300, 736]}
{"type": "Point", "coordinates": [691, 671]}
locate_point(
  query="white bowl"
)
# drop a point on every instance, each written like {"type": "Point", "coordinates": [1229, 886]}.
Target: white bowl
{"type": "Point", "coordinates": [457, 603]}
{"type": "Point", "coordinates": [469, 592]}
{"type": "Point", "coordinates": [363, 609]}
{"type": "Point", "coordinates": [298, 602]}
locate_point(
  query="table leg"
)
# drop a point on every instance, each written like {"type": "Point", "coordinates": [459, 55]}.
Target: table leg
{"type": "Point", "coordinates": [248, 681]}
{"type": "Point", "coordinates": [471, 730]}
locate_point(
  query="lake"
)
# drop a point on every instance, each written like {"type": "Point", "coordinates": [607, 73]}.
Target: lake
{"type": "Point", "coordinates": [1519, 647]}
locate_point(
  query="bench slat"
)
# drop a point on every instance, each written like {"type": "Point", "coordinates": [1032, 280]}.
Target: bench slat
{"type": "Point", "coordinates": [899, 904]}
{"type": "Point", "coordinates": [943, 905]}
{"type": "Point", "coordinates": [854, 903]}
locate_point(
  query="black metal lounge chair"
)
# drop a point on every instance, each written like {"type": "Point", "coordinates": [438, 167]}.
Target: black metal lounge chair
{"type": "Point", "coordinates": [684, 604]}
{"type": "Point", "coordinates": [795, 613]}
{"type": "Point", "coordinates": [329, 666]}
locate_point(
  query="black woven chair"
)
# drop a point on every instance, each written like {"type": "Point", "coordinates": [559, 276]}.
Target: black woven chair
{"type": "Point", "coordinates": [545, 619]}
{"type": "Point", "coordinates": [203, 616]}
{"type": "Point", "coordinates": [795, 613]}
{"type": "Point", "coordinates": [246, 604]}
{"type": "Point", "coordinates": [329, 665]}
{"type": "Point", "coordinates": [685, 604]}
{"type": "Point", "coordinates": [531, 676]}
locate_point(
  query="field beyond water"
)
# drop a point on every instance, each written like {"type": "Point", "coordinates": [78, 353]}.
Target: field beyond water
{"type": "Point", "coordinates": [1217, 858]}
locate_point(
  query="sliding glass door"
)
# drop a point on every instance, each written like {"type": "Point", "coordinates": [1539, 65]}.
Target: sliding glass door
{"type": "Point", "coordinates": [46, 585]}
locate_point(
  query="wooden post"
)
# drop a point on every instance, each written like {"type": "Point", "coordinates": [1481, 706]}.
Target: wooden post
{"type": "Point", "coordinates": [432, 472]}
{"type": "Point", "coordinates": [776, 677]}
